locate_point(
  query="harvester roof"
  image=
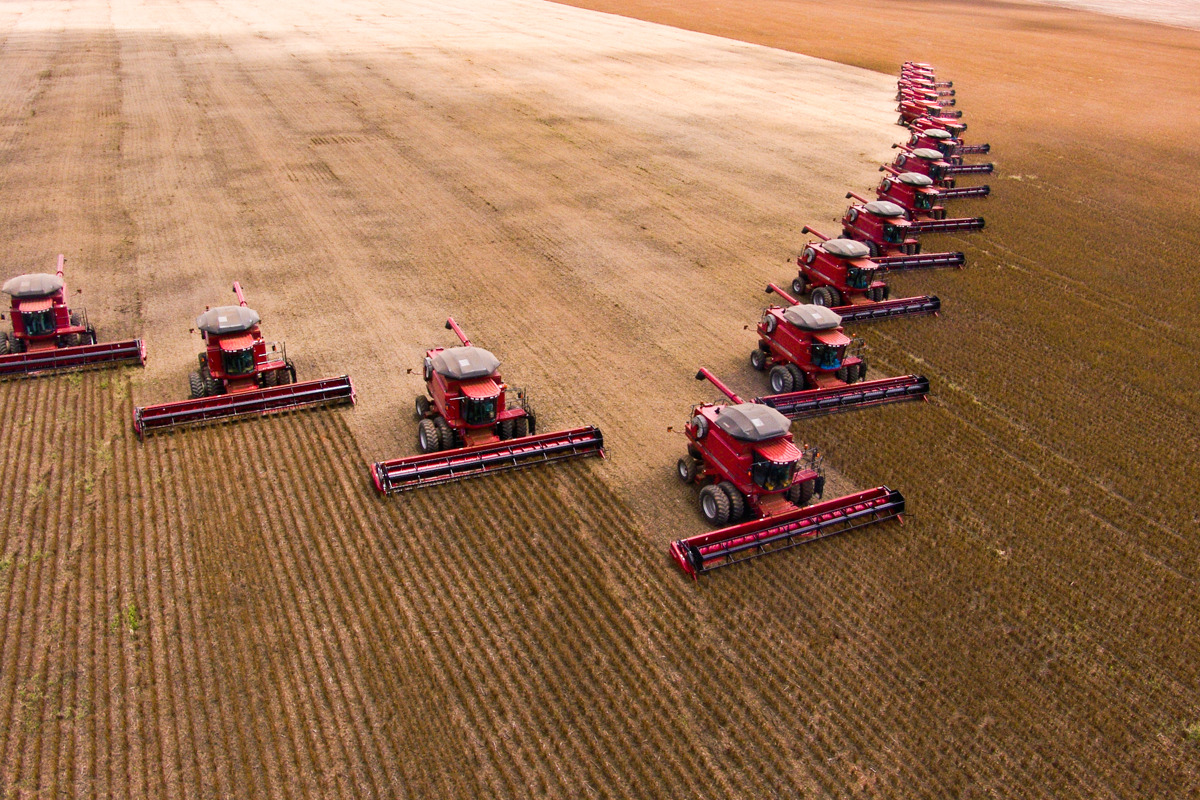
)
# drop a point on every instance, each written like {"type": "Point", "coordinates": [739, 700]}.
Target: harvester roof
{"type": "Point", "coordinates": [937, 133]}
{"type": "Point", "coordinates": [925, 152]}
{"type": "Point", "coordinates": [846, 248]}
{"type": "Point", "coordinates": [780, 451]}
{"type": "Point", "coordinates": [812, 318]}
{"type": "Point", "coordinates": [914, 179]}
{"type": "Point", "coordinates": [232, 344]}
{"type": "Point", "coordinates": [752, 422]}
{"type": "Point", "coordinates": [227, 319]}
{"type": "Point", "coordinates": [464, 363]}
{"type": "Point", "coordinates": [38, 284]}
{"type": "Point", "coordinates": [882, 208]}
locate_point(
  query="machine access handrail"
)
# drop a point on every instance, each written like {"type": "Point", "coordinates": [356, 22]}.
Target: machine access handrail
{"type": "Point", "coordinates": [705, 552]}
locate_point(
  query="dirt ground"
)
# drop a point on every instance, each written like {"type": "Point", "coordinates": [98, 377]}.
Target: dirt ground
{"type": "Point", "coordinates": [230, 612]}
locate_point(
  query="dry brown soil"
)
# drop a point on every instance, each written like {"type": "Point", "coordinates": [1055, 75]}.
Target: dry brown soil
{"type": "Point", "coordinates": [231, 612]}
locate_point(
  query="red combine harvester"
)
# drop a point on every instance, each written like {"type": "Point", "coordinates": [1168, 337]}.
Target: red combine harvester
{"type": "Point", "coordinates": [240, 374]}
{"type": "Point", "coordinates": [815, 368]}
{"type": "Point", "coordinates": [951, 148]}
{"type": "Point", "coordinates": [950, 126]}
{"type": "Point", "coordinates": [916, 194]}
{"type": "Point", "coordinates": [890, 237]}
{"type": "Point", "coordinates": [749, 465]}
{"type": "Point", "coordinates": [916, 84]}
{"type": "Point", "coordinates": [467, 429]}
{"type": "Point", "coordinates": [913, 108]}
{"type": "Point", "coordinates": [921, 222]}
{"type": "Point", "coordinates": [48, 337]}
{"type": "Point", "coordinates": [839, 274]}
{"type": "Point", "coordinates": [923, 95]}
{"type": "Point", "coordinates": [930, 162]}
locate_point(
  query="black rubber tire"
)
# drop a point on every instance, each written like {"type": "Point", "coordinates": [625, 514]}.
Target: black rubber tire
{"type": "Point", "coordinates": [800, 494]}
{"type": "Point", "coordinates": [758, 359]}
{"type": "Point", "coordinates": [422, 406]}
{"type": "Point", "coordinates": [449, 437]}
{"type": "Point", "coordinates": [799, 379]}
{"type": "Point", "coordinates": [714, 506]}
{"type": "Point", "coordinates": [820, 297]}
{"type": "Point", "coordinates": [686, 469]}
{"type": "Point", "coordinates": [781, 379]}
{"type": "Point", "coordinates": [520, 427]}
{"type": "Point", "coordinates": [74, 340]}
{"type": "Point", "coordinates": [842, 374]}
{"type": "Point", "coordinates": [429, 438]}
{"type": "Point", "coordinates": [852, 373]}
{"type": "Point", "coordinates": [270, 379]}
{"type": "Point", "coordinates": [799, 286]}
{"type": "Point", "coordinates": [212, 386]}
{"type": "Point", "coordinates": [835, 297]}
{"type": "Point", "coordinates": [737, 503]}
{"type": "Point", "coordinates": [505, 428]}
{"type": "Point", "coordinates": [5, 338]}
{"type": "Point", "coordinates": [195, 386]}
{"type": "Point", "coordinates": [862, 370]}
{"type": "Point", "coordinates": [873, 250]}
{"type": "Point", "coordinates": [16, 345]}
{"type": "Point", "coordinates": [285, 376]}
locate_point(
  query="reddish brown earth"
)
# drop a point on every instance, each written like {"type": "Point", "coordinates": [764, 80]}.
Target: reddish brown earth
{"type": "Point", "coordinates": [231, 612]}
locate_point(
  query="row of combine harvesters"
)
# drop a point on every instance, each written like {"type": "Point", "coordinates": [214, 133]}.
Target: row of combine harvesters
{"type": "Point", "coordinates": [757, 485]}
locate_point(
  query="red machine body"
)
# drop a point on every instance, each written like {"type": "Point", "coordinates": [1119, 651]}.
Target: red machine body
{"type": "Point", "coordinates": [467, 415]}
{"type": "Point", "coordinates": [882, 226]}
{"type": "Point", "coordinates": [240, 373]}
{"type": "Point", "coordinates": [951, 148]}
{"type": "Point", "coordinates": [47, 336]}
{"type": "Point", "coordinates": [921, 221]}
{"type": "Point", "coordinates": [917, 195]}
{"type": "Point", "coordinates": [744, 457]}
{"type": "Point", "coordinates": [952, 126]}
{"type": "Point", "coordinates": [840, 274]}
{"type": "Point", "coordinates": [930, 163]}
{"type": "Point", "coordinates": [912, 108]}
{"type": "Point", "coordinates": [814, 366]}
{"type": "Point", "coordinates": [910, 84]}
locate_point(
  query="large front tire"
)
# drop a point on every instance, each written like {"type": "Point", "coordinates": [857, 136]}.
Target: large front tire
{"type": "Point", "coordinates": [429, 439]}
{"type": "Point", "coordinates": [781, 379]}
{"type": "Point", "coordinates": [714, 505]}
{"type": "Point", "coordinates": [195, 386]}
{"type": "Point", "coordinates": [737, 503]}
{"type": "Point", "coordinates": [686, 469]}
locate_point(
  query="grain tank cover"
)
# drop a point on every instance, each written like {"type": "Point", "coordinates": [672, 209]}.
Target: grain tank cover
{"type": "Point", "coordinates": [39, 284]}
{"type": "Point", "coordinates": [752, 422]}
{"type": "Point", "coordinates": [927, 153]}
{"type": "Point", "coordinates": [845, 248]}
{"type": "Point", "coordinates": [937, 133]}
{"type": "Point", "coordinates": [464, 363]}
{"type": "Point", "coordinates": [812, 318]}
{"type": "Point", "coordinates": [882, 208]}
{"type": "Point", "coordinates": [914, 179]}
{"type": "Point", "coordinates": [227, 319]}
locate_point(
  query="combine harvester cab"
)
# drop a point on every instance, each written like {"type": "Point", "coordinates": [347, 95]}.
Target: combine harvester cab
{"type": "Point", "coordinates": [945, 143]}
{"type": "Point", "coordinates": [48, 337]}
{"type": "Point", "coordinates": [240, 374]}
{"type": "Point", "coordinates": [954, 127]}
{"type": "Point", "coordinates": [930, 162]}
{"type": "Point", "coordinates": [467, 429]}
{"type": "Point", "coordinates": [815, 368]}
{"type": "Point", "coordinates": [890, 237]}
{"type": "Point", "coordinates": [916, 194]}
{"type": "Point", "coordinates": [840, 274]}
{"type": "Point", "coordinates": [744, 457]}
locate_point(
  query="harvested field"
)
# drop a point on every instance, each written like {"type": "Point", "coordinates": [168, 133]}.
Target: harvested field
{"type": "Point", "coordinates": [232, 612]}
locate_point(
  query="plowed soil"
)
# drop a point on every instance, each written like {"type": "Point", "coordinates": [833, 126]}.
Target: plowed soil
{"type": "Point", "coordinates": [232, 612]}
